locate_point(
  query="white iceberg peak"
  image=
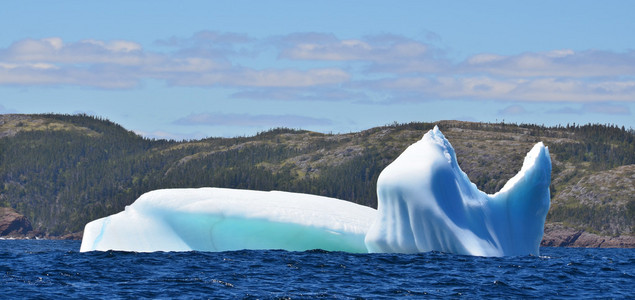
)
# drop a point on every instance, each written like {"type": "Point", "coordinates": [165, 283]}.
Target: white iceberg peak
{"type": "Point", "coordinates": [537, 156]}
{"type": "Point", "coordinates": [426, 202]}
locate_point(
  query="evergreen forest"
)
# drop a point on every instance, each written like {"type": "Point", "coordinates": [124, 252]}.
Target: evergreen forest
{"type": "Point", "coordinates": [62, 171]}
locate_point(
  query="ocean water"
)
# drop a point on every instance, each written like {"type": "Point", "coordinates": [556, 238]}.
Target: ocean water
{"type": "Point", "coordinates": [56, 269]}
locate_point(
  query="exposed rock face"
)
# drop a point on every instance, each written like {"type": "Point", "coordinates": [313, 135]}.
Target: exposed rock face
{"type": "Point", "coordinates": [72, 236]}
{"type": "Point", "coordinates": [558, 235]}
{"type": "Point", "coordinates": [13, 224]}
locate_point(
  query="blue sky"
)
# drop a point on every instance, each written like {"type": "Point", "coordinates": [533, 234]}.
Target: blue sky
{"type": "Point", "coordinates": [193, 69]}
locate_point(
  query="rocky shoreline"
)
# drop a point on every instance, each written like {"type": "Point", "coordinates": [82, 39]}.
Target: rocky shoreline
{"type": "Point", "coordinates": [558, 235]}
{"type": "Point", "coordinates": [13, 225]}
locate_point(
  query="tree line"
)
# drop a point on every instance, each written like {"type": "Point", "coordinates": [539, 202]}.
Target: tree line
{"type": "Point", "coordinates": [62, 179]}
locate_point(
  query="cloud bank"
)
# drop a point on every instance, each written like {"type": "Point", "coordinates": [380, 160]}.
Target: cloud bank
{"type": "Point", "coordinates": [317, 66]}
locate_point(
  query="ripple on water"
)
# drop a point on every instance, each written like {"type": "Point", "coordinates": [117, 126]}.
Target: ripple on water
{"type": "Point", "coordinates": [49, 269]}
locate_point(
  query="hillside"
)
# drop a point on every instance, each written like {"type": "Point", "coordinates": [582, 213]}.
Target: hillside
{"type": "Point", "coordinates": [62, 171]}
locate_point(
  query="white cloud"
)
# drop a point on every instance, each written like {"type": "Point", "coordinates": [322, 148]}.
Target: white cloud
{"type": "Point", "coordinates": [309, 66]}
{"type": "Point", "coordinates": [114, 46]}
{"type": "Point", "coordinates": [480, 59]}
{"type": "Point", "coordinates": [55, 51]}
{"type": "Point", "coordinates": [184, 65]}
{"type": "Point", "coordinates": [556, 63]}
{"type": "Point", "coordinates": [379, 49]}
{"type": "Point", "coordinates": [56, 42]}
{"type": "Point", "coordinates": [45, 74]}
{"type": "Point", "coordinates": [124, 64]}
{"type": "Point", "coordinates": [559, 53]}
{"type": "Point", "coordinates": [41, 66]}
{"type": "Point", "coordinates": [520, 89]}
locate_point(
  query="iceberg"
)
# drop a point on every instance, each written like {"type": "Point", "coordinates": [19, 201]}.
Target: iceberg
{"type": "Point", "coordinates": [425, 203]}
{"type": "Point", "coordinates": [217, 219]}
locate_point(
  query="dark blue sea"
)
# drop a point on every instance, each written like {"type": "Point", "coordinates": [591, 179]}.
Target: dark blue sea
{"type": "Point", "coordinates": [56, 269]}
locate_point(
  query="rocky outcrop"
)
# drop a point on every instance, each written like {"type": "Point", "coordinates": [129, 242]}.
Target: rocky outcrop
{"type": "Point", "coordinates": [13, 224]}
{"type": "Point", "coordinates": [558, 235]}
{"type": "Point", "coordinates": [71, 236]}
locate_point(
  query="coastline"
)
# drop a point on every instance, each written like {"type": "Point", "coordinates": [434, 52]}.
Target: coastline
{"type": "Point", "coordinates": [556, 235]}
{"type": "Point", "coordinates": [15, 226]}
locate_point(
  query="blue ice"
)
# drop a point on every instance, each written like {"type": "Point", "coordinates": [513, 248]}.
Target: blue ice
{"type": "Point", "coordinates": [425, 203]}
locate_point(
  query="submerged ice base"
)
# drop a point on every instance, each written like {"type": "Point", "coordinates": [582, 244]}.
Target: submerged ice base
{"type": "Point", "coordinates": [425, 203]}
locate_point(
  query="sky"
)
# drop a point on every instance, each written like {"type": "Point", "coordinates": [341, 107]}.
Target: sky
{"type": "Point", "coordinates": [195, 69]}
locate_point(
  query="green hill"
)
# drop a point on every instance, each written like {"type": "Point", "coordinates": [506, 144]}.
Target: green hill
{"type": "Point", "coordinates": [62, 171]}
